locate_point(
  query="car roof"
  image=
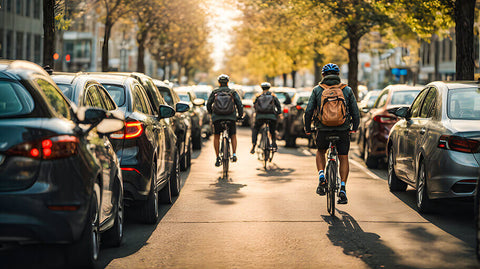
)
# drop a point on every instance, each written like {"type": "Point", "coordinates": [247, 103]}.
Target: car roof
{"type": "Point", "coordinates": [107, 78]}
{"type": "Point", "coordinates": [160, 83]}
{"type": "Point", "coordinates": [404, 87]}
{"type": "Point", "coordinates": [19, 69]}
{"type": "Point", "coordinates": [457, 84]}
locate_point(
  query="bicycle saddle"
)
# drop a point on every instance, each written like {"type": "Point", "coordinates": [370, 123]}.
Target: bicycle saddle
{"type": "Point", "coordinates": [333, 138]}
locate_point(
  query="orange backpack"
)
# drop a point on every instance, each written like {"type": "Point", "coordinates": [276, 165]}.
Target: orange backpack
{"type": "Point", "coordinates": [333, 109]}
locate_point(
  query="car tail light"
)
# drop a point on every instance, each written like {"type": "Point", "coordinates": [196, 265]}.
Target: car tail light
{"type": "Point", "coordinates": [247, 106]}
{"type": "Point", "coordinates": [55, 147]}
{"type": "Point", "coordinates": [298, 107]}
{"type": "Point", "coordinates": [285, 110]}
{"type": "Point", "coordinates": [385, 119]}
{"type": "Point", "coordinates": [130, 169]}
{"type": "Point", "coordinates": [458, 143]}
{"type": "Point", "coordinates": [133, 129]}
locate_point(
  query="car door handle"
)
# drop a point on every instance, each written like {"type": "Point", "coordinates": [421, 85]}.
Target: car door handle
{"type": "Point", "coordinates": [422, 131]}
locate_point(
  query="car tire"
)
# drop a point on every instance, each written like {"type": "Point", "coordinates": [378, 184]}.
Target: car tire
{"type": "Point", "coordinates": [197, 140]}
{"type": "Point", "coordinates": [114, 236]}
{"type": "Point", "coordinates": [84, 253]}
{"type": "Point", "coordinates": [175, 177]}
{"type": "Point", "coordinates": [361, 146]}
{"type": "Point", "coordinates": [424, 204]}
{"type": "Point", "coordinates": [394, 183]}
{"type": "Point", "coordinates": [149, 209]}
{"type": "Point", "coordinates": [290, 140]}
{"type": "Point", "coordinates": [189, 153]}
{"type": "Point", "coordinates": [370, 161]}
{"type": "Point", "coordinates": [165, 194]}
{"type": "Point", "coordinates": [183, 158]}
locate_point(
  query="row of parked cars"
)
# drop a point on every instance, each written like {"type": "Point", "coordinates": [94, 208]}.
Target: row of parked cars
{"type": "Point", "coordinates": [76, 149]}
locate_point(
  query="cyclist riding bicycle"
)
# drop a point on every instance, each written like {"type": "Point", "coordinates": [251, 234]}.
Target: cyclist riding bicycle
{"type": "Point", "coordinates": [331, 81]}
{"type": "Point", "coordinates": [267, 107]}
{"type": "Point", "coordinates": [222, 103]}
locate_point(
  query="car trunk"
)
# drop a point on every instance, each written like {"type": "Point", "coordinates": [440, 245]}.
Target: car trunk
{"type": "Point", "coordinates": [469, 129]}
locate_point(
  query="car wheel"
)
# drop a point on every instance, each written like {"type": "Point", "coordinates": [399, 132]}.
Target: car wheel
{"type": "Point", "coordinates": [394, 183]}
{"type": "Point", "coordinates": [149, 208]}
{"type": "Point", "coordinates": [84, 253]}
{"type": "Point", "coordinates": [361, 146]}
{"type": "Point", "coordinates": [370, 161]}
{"type": "Point", "coordinates": [183, 158]}
{"type": "Point", "coordinates": [175, 177]}
{"type": "Point", "coordinates": [113, 237]}
{"type": "Point", "coordinates": [165, 194]}
{"type": "Point", "coordinates": [189, 153]}
{"type": "Point", "coordinates": [197, 140]}
{"type": "Point", "coordinates": [424, 204]}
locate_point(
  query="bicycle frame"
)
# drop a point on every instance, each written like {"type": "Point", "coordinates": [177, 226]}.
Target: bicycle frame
{"type": "Point", "coordinates": [332, 177]}
{"type": "Point", "coordinates": [264, 150]}
{"type": "Point", "coordinates": [225, 149]}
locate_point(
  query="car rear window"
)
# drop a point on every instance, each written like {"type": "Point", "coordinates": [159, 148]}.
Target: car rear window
{"type": "Point", "coordinates": [464, 104]}
{"type": "Point", "coordinates": [249, 95]}
{"type": "Point", "coordinates": [15, 100]}
{"type": "Point", "coordinates": [202, 95]}
{"type": "Point", "coordinates": [184, 97]}
{"type": "Point", "coordinates": [67, 90]}
{"type": "Point", "coordinates": [403, 97]}
{"type": "Point", "coordinates": [166, 95]}
{"type": "Point", "coordinates": [117, 93]}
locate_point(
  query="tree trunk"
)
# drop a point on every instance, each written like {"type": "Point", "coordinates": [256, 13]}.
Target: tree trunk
{"type": "Point", "coordinates": [179, 74]}
{"type": "Point", "coordinates": [317, 61]}
{"type": "Point", "coordinates": [294, 73]}
{"type": "Point", "coordinates": [106, 38]}
{"type": "Point", "coordinates": [464, 19]}
{"type": "Point", "coordinates": [141, 53]}
{"type": "Point", "coordinates": [436, 57]}
{"type": "Point", "coordinates": [48, 32]}
{"type": "Point", "coordinates": [164, 66]}
{"type": "Point", "coordinates": [284, 75]}
{"type": "Point", "coordinates": [353, 64]}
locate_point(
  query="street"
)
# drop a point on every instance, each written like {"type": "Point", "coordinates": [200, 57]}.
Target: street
{"type": "Point", "coordinates": [259, 219]}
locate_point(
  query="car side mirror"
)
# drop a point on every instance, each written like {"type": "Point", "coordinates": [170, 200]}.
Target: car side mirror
{"type": "Point", "coordinates": [365, 109]}
{"type": "Point", "coordinates": [182, 107]}
{"type": "Point", "coordinates": [402, 112]}
{"type": "Point", "coordinates": [105, 121]}
{"type": "Point", "coordinates": [198, 102]}
{"type": "Point", "coordinates": [166, 111]}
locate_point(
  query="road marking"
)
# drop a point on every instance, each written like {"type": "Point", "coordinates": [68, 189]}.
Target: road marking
{"type": "Point", "coordinates": [364, 169]}
{"type": "Point", "coordinates": [306, 152]}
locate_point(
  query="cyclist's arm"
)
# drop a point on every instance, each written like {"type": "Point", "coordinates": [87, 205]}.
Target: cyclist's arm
{"type": "Point", "coordinates": [278, 106]}
{"type": "Point", "coordinates": [238, 104]}
{"type": "Point", "coordinates": [312, 105]}
{"type": "Point", "coordinates": [354, 113]}
{"type": "Point", "coordinates": [211, 98]}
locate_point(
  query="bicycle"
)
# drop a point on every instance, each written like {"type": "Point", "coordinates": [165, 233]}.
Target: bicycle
{"type": "Point", "coordinates": [224, 153]}
{"type": "Point", "coordinates": [331, 174]}
{"type": "Point", "coordinates": [265, 151]}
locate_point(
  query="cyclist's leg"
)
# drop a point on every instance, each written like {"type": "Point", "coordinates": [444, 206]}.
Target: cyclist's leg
{"type": "Point", "coordinates": [217, 129]}
{"type": "Point", "coordinates": [322, 146]}
{"type": "Point", "coordinates": [271, 126]}
{"type": "Point", "coordinates": [232, 132]}
{"type": "Point", "coordinates": [343, 146]}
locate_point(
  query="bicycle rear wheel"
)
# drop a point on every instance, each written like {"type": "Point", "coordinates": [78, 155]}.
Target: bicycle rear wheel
{"type": "Point", "coordinates": [226, 156]}
{"type": "Point", "coordinates": [331, 186]}
{"type": "Point", "coordinates": [266, 148]}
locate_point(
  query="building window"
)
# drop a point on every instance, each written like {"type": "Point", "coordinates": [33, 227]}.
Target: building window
{"type": "Point", "coordinates": [18, 9]}
{"type": "Point", "coordinates": [28, 8]}
{"type": "Point", "coordinates": [9, 5]}
{"type": "Point", "coordinates": [37, 54]}
{"type": "Point", "coordinates": [37, 8]}
{"type": "Point", "coordinates": [28, 47]}
{"type": "Point", "coordinates": [9, 44]}
{"type": "Point", "coordinates": [19, 46]}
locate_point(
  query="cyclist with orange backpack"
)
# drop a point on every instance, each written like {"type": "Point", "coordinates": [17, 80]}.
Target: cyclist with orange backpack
{"type": "Point", "coordinates": [335, 109]}
{"type": "Point", "coordinates": [222, 104]}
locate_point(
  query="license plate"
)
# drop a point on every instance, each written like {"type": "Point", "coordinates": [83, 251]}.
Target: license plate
{"type": "Point", "coordinates": [2, 158]}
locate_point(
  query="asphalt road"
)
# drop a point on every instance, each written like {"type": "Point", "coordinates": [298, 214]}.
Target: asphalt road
{"type": "Point", "coordinates": [274, 218]}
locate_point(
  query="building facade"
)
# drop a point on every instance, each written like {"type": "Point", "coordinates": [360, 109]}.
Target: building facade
{"type": "Point", "coordinates": [21, 30]}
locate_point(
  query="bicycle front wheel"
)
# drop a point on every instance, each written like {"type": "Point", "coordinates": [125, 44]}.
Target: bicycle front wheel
{"type": "Point", "coordinates": [331, 177]}
{"type": "Point", "coordinates": [226, 156]}
{"type": "Point", "coordinates": [266, 149]}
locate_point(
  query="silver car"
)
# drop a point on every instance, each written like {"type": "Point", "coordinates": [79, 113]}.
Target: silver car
{"type": "Point", "coordinates": [435, 148]}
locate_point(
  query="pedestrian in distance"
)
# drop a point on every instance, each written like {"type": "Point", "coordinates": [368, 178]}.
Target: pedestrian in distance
{"type": "Point", "coordinates": [333, 115]}
{"type": "Point", "coordinates": [222, 104]}
{"type": "Point", "coordinates": [267, 107]}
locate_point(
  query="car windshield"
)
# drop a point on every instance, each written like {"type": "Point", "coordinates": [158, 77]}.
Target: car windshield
{"type": "Point", "coordinates": [372, 98]}
{"type": "Point", "coordinates": [203, 95]}
{"type": "Point", "coordinates": [117, 92]}
{"type": "Point", "coordinates": [67, 90]}
{"type": "Point", "coordinates": [303, 99]}
{"type": "Point", "coordinates": [282, 96]}
{"type": "Point", "coordinates": [403, 97]}
{"type": "Point", "coordinates": [249, 95]}
{"type": "Point", "coordinates": [166, 95]}
{"type": "Point", "coordinates": [15, 100]}
{"type": "Point", "coordinates": [184, 97]}
{"type": "Point", "coordinates": [464, 104]}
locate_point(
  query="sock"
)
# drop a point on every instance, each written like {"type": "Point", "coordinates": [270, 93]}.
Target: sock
{"type": "Point", "coordinates": [342, 187]}
{"type": "Point", "coordinates": [234, 154]}
{"type": "Point", "coordinates": [321, 175]}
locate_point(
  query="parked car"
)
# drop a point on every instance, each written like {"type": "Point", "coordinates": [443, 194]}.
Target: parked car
{"type": "Point", "coordinates": [182, 124]}
{"type": "Point", "coordinates": [60, 181]}
{"type": "Point", "coordinates": [435, 147]}
{"type": "Point", "coordinates": [203, 92]}
{"type": "Point", "coordinates": [285, 96]}
{"type": "Point", "coordinates": [198, 114]}
{"type": "Point", "coordinates": [149, 172]}
{"type": "Point", "coordinates": [368, 101]}
{"type": "Point", "coordinates": [249, 95]}
{"type": "Point", "coordinates": [293, 121]}
{"type": "Point", "coordinates": [376, 124]}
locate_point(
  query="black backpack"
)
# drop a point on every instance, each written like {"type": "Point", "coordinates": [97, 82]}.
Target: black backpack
{"type": "Point", "coordinates": [265, 104]}
{"type": "Point", "coordinates": [223, 103]}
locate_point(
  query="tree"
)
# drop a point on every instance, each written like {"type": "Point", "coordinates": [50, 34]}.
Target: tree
{"type": "Point", "coordinates": [464, 36]}
{"type": "Point", "coordinates": [48, 32]}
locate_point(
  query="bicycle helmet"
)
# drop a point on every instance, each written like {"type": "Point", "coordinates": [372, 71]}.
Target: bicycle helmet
{"type": "Point", "coordinates": [265, 85]}
{"type": "Point", "coordinates": [330, 68]}
{"type": "Point", "coordinates": [223, 78]}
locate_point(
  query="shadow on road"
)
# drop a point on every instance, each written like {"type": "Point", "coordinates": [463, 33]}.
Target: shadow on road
{"type": "Point", "coordinates": [346, 233]}
{"type": "Point", "coordinates": [224, 191]}
{"type": "Point", "coordinates": [447, 214]}
{"type": "Point", "coordinates": [276, 174]}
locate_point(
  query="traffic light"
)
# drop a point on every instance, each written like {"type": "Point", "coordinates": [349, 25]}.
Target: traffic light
{"type": "Point", "coordinates": [56, 56]}
{"type": "Point", "coordinates": [67, 58]}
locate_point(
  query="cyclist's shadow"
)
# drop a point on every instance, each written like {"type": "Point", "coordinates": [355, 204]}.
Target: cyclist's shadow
{"type": "Point", "coordinates": [225, 191]}
{"type": "Point", "coordinates": [347, 233]}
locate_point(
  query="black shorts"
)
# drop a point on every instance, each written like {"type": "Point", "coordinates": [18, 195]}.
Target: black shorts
{"type": "Point", "coordinates": [232, 127]}
{"type": "Point", "coordinates": [343, 145]}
